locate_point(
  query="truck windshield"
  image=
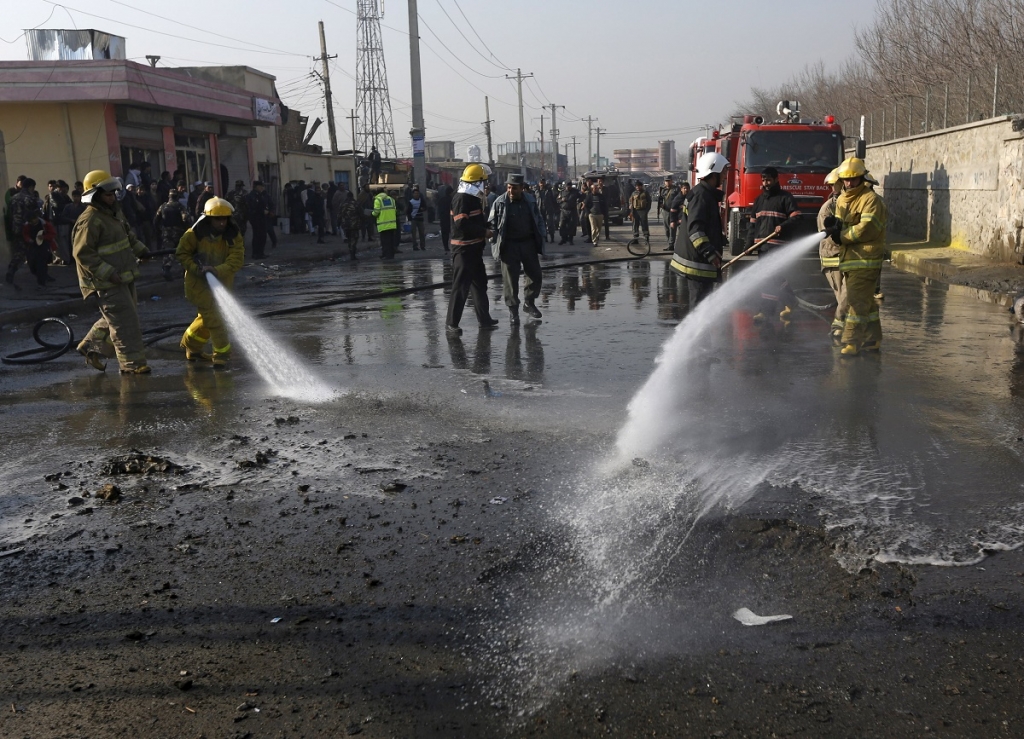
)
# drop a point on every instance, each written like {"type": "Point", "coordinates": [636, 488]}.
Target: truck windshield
{"type": "Point", "coordinates": [793, 151]}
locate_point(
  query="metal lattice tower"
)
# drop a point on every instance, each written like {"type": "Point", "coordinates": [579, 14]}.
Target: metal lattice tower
{"type": "Point", "coordinates": [373, 104]}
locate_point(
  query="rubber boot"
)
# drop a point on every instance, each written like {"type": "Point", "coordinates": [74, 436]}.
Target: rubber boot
{"type": "Point", "coordinates": [850, 350]}
{"type": "Point", "coordinates": [142, 369]}
{"type": "Point", "coordinates": [95, 360]}
{"type": "Point", "coordinates": [513, 316]}
{"type": "Point", "coordinates": [194, 356]}
{"type": "Point", "coordinates": [531, 309]}
{"type": "Point", "coordinates": [785, 313]}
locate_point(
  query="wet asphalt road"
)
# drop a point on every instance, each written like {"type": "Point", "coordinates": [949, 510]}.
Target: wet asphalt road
{"type": "Point", "coordinates": [928, 432]}
{"type": "Point", "coordinates": [910, 457]}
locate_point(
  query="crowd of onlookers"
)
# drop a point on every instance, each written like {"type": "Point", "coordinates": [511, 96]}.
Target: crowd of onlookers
{"type": "Point", "coordinates": [39, 228]}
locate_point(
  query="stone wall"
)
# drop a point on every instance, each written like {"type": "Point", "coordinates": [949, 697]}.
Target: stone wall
{"type": "Point", "coordinates": [960, 187]}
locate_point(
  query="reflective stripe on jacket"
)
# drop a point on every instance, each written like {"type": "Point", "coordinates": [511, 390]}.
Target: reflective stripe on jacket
{"type": "Point", "coordinates": [103, 246]}
{"type": "Point", "coordinates": [386, 212]}
{"type": "Point", "coordinates": [864, 216]}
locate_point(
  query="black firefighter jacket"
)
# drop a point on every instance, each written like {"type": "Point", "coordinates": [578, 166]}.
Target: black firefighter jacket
{"type": "Point", "coordinates": [704, 239]}
{"type": "Point", "coordinates": [775, 207]}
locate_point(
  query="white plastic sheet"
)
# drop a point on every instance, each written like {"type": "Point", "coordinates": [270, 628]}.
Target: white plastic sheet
{"type": "Point", "coordinates": [748, 618]}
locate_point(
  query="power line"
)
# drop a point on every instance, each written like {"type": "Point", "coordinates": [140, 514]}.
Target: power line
{"type": "Point", "coordinates": [470, 43]}
{"type": "Point", "coordinates": [503, 65]}
{"type": "Point", "coordinates": [193, 27]}
{"type": "Point", "coordinates": [170, 35]}
{"type": "Point", "coordinates": [488, 76]}
{"type": "Point", "coordinates": [52, 11]}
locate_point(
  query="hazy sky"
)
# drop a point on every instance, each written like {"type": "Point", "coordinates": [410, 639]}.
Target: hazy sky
{"type": "Point", "coordinates": [647, 70]}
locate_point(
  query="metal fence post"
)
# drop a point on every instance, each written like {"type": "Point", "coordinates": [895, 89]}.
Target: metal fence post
{"type": "Point", "coordinates": [896, 119]}
{"type": "Point", "coordinates": [945, 109]}
{"type": "Point", "coordinates": [968, 116]}
{"type": "Point", "coordinates": [910, 118]}
{"type": "Point", "coordinates": [995, 91]}
{"type": "Point", "coordinates": [883, 124]}
{"type": "Point", "coordinates": [927, 104]}
{"type": "Point", "coordinates": [871, 127]}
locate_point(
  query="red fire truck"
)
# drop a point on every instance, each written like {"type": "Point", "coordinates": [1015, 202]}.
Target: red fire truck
{"type": "Point", "coordinates": [803, 151]}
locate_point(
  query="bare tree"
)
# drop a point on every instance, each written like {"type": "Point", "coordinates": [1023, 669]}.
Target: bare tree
{"type": "Point", "coordinates": [916, 54]}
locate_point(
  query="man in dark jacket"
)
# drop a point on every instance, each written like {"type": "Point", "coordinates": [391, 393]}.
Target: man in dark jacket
{"type": "Point", "coordinates": [415, 210]}
{"type": "Point", "coordinates": [568, 219]}
{"type": "Point", "coordinates": [675, 212]}
{"type": "Point", "coordinates": [666, 194]}
{"type": "Point", "coordinates": [698, 254]}
{"type": "Point", "coordinates": [315, 208]}
{"type": "Point", "coordinates": [257, 210]}
{"type": "Point", "coordinates": [548, 204]}
{"type": "Point", "coordinates": [774, 217]}
{"type": "Point", "coordinates": [517, 241]}
{"type": "Point", "coordinates": [469, 230]}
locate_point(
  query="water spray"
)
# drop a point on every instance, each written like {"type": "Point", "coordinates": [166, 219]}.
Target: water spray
{"type": "Point", "coordinates": [279, 367]}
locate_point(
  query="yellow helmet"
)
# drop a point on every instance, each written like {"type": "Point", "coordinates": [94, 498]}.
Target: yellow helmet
{"type": "Point", "coordinates": [832, 177]}
{"type": "Point", "coordinates": [99, 179]}
{"type": "Point", "coordinates": [851, 168]}
{"type": "Point", "coordinates": [474, 173]}
{"type": "Point", "coordinates": [217, 208]}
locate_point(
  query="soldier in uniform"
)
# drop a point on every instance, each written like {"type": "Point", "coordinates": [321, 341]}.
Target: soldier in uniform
{"type": "Point", "coordinates": [568, 214]}
{"type": "Point", "coordinates": [22, 204]}
{"type": "Point", "coordinates": [172, 221]}
{"type": "Point", "coordinates": [548, 204]}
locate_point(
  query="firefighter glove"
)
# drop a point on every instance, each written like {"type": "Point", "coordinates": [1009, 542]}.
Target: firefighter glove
{"type": "Point", "coordinates": [833, 227]}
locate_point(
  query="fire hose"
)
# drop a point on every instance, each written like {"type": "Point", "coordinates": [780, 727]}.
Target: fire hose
{"type": "Point", "coordinates": [46, 349]}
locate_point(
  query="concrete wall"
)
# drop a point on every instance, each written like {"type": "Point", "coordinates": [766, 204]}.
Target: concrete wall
{"type": "Point", "coordinates": [315, 167]}
{"type": "Point", "coordinates": [38, 143]}
{"type": "Point", "coordinates": [960, 187]}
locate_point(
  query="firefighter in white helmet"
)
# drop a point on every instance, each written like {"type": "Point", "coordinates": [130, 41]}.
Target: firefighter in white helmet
{"type": "Point", "coordinates": [107, 253]}
{"type": "Point", "coordinates": [859, 230]}
{"type": "Point", "coordinates": [213, 246]}
{"type": "Point", "coordinates": [698, 252]}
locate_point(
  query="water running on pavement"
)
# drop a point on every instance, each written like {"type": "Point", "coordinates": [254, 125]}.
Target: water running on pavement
{"type": "Point", "coordinates": [284, 372]}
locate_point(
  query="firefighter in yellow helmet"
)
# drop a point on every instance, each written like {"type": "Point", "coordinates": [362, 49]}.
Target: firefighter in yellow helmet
{"type": "Point", "coordinates": [107, 253]}
{"type": "Point", "coordinates": [859, 230]}
{"type": "Point", "coordinates": [828, 253]}
{"type": "Point", "coordinates": [213, 246]}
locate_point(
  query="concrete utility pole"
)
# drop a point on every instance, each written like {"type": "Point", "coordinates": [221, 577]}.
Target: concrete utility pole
{"type": "Point", "coordinates": [522, 124]}
{"type": "Point", "coordinates": [353, 118]}
{"type": "Point", "coordinates": [590, 142]}
{"type": "Point", "coordinates": [541, 144]}
{"type": "Point", "coordinates": [599, 131]}
{"type": "Point", "coordinates": [418, 133]}
{"type": "Point", "coordinates": [575, 169]}
{"type": "Point", "coordinates": [326, 76]}
{"type": "Point", "coordinates": [487, 129]}
{"type": "Point", "coordinates": [554, 137]}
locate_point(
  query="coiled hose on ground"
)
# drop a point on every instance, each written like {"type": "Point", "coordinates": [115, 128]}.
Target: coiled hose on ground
{"type": "Point", "coordinates": [46, 350]}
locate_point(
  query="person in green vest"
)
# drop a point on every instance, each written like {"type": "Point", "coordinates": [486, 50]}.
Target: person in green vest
{"type": "Point", "coordinates": [385, 210]}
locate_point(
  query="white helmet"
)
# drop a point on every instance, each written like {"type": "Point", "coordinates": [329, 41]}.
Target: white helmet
{"type": "Point", "coordinates": [710, 163]}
